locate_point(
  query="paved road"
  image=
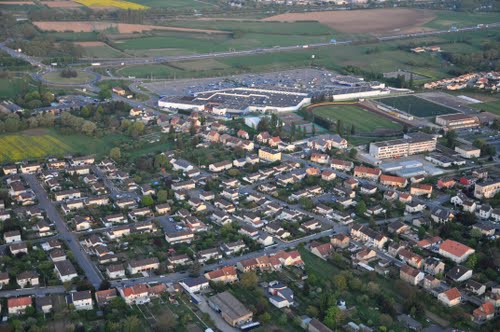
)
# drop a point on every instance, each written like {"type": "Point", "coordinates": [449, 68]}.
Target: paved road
{"type": "Point", "coordinates": [67, 236]}
{"type": "Point", "coordinates": [175, 277]}
{"type": "Point", "coordinates": [39, 291]}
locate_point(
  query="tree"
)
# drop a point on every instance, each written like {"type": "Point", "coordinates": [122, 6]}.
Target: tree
{"type": "Point", "coordinates": [361, 208]}
{"type": "Point", "coordinates": [331, 317]}
{"type": "Point", "coordinates": [194, 270]}
{"type": "Point", "coordinates": [340, 127]}
{"type": "Point", "coordinates": [162, 196]}
{"type": "Point", "coordinates": [115, 153]}
{"type": "Point", "coordinates": [105, 93]}
{"type": "Point", "coordinates": [340, 282]}
{"type": "Point", "coordinates": [105, 284]}
{"type": "Point", "coordinates": [312, 311]}
{"type": "Point", "coordinates": [249, 279]}
{"type": "Point", "coordinates": [353, 130]}
{"type": "Point", "coordinates": [132, 324]}
{"type": "Point", "coordinates": [147, 200]}
{"type": "Point", "coordinates": [471, 262]}
{"type": "Point", "coordinates": [353, 153]}
{"type": "Point", "coordinates": [160, 160]}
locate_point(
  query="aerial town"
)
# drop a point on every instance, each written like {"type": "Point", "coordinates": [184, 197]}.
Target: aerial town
{"type": "Point", "coordinates": [154, 183]}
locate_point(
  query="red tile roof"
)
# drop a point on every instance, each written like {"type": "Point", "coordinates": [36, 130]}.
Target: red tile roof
{"type": "Point", "coordinates": [390, 178]}
{"type": "Point", "coordinates": [452, 294]}
{"type": "Point", "coordinates": [136, 289]}
{"type": "Point", "coordinates": [455, 248]}
{"type": "Point", "coordinates": [367, 170]}
{"type": "Point", "coordinates": [19, 302]}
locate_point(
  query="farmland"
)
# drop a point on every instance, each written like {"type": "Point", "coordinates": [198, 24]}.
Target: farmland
{"type": "Point", "coordinates": [38, 143]}
{"type": "Point", "coordinates": [111, 3]}
{"type": "Point", "coordinates": [100, 50]}
{"type": "Point", "coordinates": [417, 106]}
{"type": "Point", "coordinates": [374, 21]}
{"type": "Point", "coordinates": [364, 121]}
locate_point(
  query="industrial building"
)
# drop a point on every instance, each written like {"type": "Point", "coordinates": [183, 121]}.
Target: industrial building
{"type": "Point", "coordinates": [239, 100]}
{"type": "Point", "coordinates": [457, 121]}
{"type": "Point", "coordinates": [232, 310]}
{"type": "Point", "coordinates": [410, 144]}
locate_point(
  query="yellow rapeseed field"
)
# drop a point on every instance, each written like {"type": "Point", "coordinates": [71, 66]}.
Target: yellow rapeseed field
{"type": "Point", "coordinates": [16, 147]}
{"type": "Point", "coordinates": [111, 3]}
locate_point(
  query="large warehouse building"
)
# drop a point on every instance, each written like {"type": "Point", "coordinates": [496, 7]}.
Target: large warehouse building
{"type": "Point", "coordinates": [239, 100]}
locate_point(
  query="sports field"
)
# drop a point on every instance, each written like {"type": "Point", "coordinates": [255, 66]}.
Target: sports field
{"type": "Point", "coordinates": [364, 121]}
{"type": "Point", "coordinates": [39, 143]}
{"type": "Point", "coordinates": [417, 106]}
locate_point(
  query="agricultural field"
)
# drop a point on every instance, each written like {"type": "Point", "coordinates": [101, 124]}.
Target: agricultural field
{"type": "Point", "coordinates": [39, 143]}
{"type": "Point", "coordinates": [304, 28]}
{"type": "Point", "coordinates": [100, 50]}
{"type": "Point", "coordinates": [375, 21]}
{"type": "Point", "coordinates": [417, 106]}
{"type": "Point", "coordinates": [363, 120]}
{"type": "Point", "coordinates": [493, 107]}
{"type": "Point", "coordinates": [120, 4]}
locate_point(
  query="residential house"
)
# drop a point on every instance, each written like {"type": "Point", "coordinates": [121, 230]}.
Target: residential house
{"type": "Point", "coordinates": [143, 265]}
{"type": "Point", "coordinates": [459, 273]}
{"type": "Point", "coordinates": [82, 300]}
{"type": "Point", "coordinates": [411, 275]}
{"type": "Point", "coordinates": [65, 270]}
{"type": "Point", "coordinates": [451, 297]}
{"type": "Point", "coordinates": [419, 189]}
{"type": "Point", "coordinates": [224, 275]}
{"type": "Point", "coordinates": [455, 251]}
{"type": "Point", "coordinates": [18, 305]}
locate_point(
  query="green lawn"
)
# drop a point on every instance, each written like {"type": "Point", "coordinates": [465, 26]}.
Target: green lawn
{"type": "Point", "coordinates": [55, 77]}
{"type": "Point", "coordinates": [493, 107]}
{"type": "Point", "coordinates": [364, 121]}
{"type": "Point", "coordinates": [39, 143]}
{"type": "Point", "coordinates": [73, 36]}
{"type": "Point", "coordinates": [417, 106]}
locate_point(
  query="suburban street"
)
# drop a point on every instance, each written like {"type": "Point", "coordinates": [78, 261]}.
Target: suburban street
{"type": "Point", "coordinates": [66, 234]}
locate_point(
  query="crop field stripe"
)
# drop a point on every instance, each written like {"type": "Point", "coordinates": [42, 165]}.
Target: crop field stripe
{"type": "Point", "coordinates": [417, 106]}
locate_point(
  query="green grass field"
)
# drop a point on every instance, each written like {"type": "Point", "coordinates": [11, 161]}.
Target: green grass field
{"type": "Point", "coordinates": [104, 51]}
{"type": "Point", "coordinates": [38, 143]}
{"type": "Point", "coordinates": [447, 19]}
{"type": "Point", "coordinates": [204, 43]}
{"type": "Point", "coordinates": [417, 106]}
{"type": "Point", "coordinates": [493, 107]}
{"type": "Point", "coordinates": [11, 86]}
{"type": "Point", "coordinates": [73, 36]}
{"type": "Point", "coordinates": [55, 78]}
{"type": "Point", "coordinates": [364, 121]}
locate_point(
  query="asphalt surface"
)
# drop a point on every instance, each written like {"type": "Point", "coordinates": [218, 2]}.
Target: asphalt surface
{"type": "Point", "coordinates": [65, 233]}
